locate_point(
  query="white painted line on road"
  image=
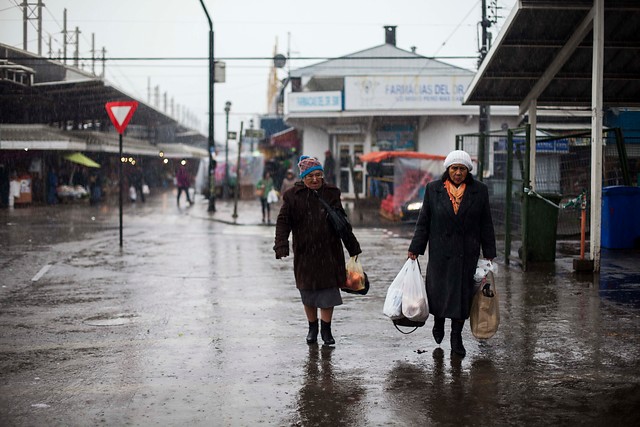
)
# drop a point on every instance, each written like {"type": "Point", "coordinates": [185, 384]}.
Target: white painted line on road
{"type": "Point", "coordinates": [41, 273]}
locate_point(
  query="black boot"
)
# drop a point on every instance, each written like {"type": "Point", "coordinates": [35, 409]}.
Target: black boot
{"type": "Point", "coordinates": [325, 332]}
{"type": "Point", "coordinates": [438, 329]}
{"type": "Point", "coordinates": [456, 337]}
{"type": "Point", "coordinates": [312, 336]}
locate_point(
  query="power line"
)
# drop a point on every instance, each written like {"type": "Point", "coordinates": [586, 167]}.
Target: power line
{"type": "Point", "coordinates": [260, 58]}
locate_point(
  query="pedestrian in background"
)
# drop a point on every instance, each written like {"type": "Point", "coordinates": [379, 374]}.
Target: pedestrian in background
{"type": "Point", "coordinates": [329, 168]}
{"type": "Point", "coordinates": [455, 220]}
{"type": "Point", "coordinates": [4, 185]}
{"type": "Point", "coordinates": [318, 257]}
{"type": "Point", "coordinates": [263, 187]}
{"type": "Point", "coordinates": [52, 186]}
{"type": "Point", "coordinates": [137, 179]}
{"type": "Point", "coordinates": [288, 181]}
{"type": "Point", "coordinates": [183, 180]}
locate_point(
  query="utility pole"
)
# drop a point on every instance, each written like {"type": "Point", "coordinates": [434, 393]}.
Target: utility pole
{"type": "Point", "coordinates": [76, 55]}
{"type": "Point", "coordinates": [64, 37]}
{"type": "Point", "coordinates": [27, 15]}
{"type": "Point", "coordinates": [93, 53]}
{"type": "Point", "coordinates": [40, 27]}
{"type": "Point", "coordinates": [485, 110]}
{"type": "Point", "coordinates": [104, 53]}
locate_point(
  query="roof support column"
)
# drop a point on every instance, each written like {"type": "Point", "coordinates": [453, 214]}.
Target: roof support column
{"type": "Point", "coordinates": [596, 132]}
{"type": "Point", "coordinates": [533, 121]}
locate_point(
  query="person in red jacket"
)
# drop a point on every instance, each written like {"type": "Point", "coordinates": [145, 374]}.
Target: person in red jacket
{"type": "Point", "coordinates": [183, 179]}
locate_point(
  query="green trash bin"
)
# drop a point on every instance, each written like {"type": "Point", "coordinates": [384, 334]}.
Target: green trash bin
{"type": "Point", "coordinates": [541, 228]}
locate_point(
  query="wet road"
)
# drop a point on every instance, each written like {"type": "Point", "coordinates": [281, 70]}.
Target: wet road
{"type": "Point", "coordinates": [194, 322]}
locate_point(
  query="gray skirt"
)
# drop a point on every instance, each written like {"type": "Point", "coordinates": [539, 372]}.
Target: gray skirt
{"type": "Point", "coordinates": [321, 298]}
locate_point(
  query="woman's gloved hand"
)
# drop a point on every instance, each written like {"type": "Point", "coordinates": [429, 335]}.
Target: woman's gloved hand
{"type": "Point", "coordinates": [282, 252]}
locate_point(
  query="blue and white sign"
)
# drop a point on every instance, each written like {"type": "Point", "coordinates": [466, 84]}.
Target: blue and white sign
{"type": "Point", "coordinates": [405, 92]}
{"type": "Point", "coordinates": [314, 101]}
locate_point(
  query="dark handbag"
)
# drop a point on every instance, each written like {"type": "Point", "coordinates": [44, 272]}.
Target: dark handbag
{"type": "Point", "coordinates": [403, 321]}
{"type": "Point", "coordinates": [338, 221]}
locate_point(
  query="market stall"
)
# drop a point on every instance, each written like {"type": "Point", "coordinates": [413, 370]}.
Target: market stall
{"type": "Point", "coordinates": [402, 192]}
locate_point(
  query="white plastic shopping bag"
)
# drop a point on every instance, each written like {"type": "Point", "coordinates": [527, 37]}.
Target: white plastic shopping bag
{"type": "Point", "coordinates": [393, 302]}
{"type": "Point", "coordinates": [414, 294]}
{"type": "Point", "coordinates": [133, 195]}
{"type": "Point", "coordinates": [272, 196]}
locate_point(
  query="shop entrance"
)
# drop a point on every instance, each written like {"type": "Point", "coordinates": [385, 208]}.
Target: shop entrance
{"type": "Point", "coordinates": [350, 175]}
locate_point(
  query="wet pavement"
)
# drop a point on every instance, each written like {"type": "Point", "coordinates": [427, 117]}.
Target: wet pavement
{"type": "Point", "coordinates": [194, 322]}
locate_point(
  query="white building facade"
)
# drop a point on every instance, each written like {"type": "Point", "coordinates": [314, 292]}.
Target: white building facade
{"type": "Point", "coordinates": [381, 99]}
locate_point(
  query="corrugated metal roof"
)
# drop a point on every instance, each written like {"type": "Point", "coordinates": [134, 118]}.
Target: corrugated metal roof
{"type": "Point", "coordinates": [533, 37]}
{"type": "Point", "coordinates": [385, 59]}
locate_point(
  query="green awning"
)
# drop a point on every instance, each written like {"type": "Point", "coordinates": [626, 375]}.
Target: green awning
{"type": "Point", "coordinates": [81, 159]}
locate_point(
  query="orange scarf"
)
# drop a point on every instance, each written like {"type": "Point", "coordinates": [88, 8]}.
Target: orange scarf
{"type": "Point", "coordinates": [455, 194]}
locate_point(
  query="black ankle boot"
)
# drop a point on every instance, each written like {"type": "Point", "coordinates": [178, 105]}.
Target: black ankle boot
{"type": "Point", "coordinates": [456, 337]}
{"type": "Point", "coordinates": [312, 336]}
{"type": "Point", "coordinates": [325, 332]}
{"type": "Point", "coordinates": [438, 329]}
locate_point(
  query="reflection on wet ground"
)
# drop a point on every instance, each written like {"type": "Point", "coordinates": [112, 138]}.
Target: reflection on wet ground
{"type": "Point", "coordinates": [194, 322]}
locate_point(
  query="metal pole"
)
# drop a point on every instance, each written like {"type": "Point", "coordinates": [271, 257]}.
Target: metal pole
{"type": "Point", "coordinates": [25, 17]}
{"type": "Point", "coordinates": [236, 193]}
{"type": "Point", "coordinates": [120, 182]}
{"type": "Point", "coordinates": [40, 27]}
{"type": "Point", "coordinates": [225, 190]}
{"type": "Point", "coordinates": [485, 111]}
{"type": "Point", "coordinates": [211, 143]}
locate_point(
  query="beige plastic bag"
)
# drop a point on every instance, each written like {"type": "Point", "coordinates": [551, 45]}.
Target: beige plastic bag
{"type": "Point", "coordinates": [485, 309]}
{"type": "Point", "coordinates": [355, 274]}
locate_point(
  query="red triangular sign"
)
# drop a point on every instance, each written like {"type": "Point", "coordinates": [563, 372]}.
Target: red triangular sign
{"type": "Point", "coordinates": [120, 113]}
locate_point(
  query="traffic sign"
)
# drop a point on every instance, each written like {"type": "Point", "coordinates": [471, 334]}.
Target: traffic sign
{"type": "Point", "coordinates": [254, 133]}
{"type": "Point", "coordinates": [120, 113]}
{"type": "Point", "coordinates": [232, 135]}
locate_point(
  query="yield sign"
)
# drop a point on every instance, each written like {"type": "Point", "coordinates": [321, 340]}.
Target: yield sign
{"type": "Point", "coordinates": [120, 113]}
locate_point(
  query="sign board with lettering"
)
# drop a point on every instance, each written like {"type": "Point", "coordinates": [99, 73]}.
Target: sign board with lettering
{"type": "Point", "coordinates": [254, 133]}
{"type": "Point", "coordinates": [406, 92]}
{"type": "Point", "coordinates": [298, 102]}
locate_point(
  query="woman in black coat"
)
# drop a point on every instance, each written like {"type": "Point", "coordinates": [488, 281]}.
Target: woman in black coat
{"type": "Point", "coordinates": [318, 257]}
{"type": "Point", "coordinates": [455, 220]}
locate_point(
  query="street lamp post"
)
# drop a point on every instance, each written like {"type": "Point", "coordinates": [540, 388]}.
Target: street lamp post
{"type": "Point", "coordinates": [227, 108]}
{"type": "Point", "coordinates": [251, 139]}
{"type": "Point", "coordinates": [211, 144]}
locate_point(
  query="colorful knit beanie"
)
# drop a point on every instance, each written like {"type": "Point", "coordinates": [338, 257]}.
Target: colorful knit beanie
{"type": "Point", "coordinates": [308, 164]}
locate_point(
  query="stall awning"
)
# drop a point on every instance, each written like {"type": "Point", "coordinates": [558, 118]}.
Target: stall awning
{"type": "Point", "coordinates": [81, 159]}
{"type": "Point", "coordinates": [378, 156]}
{"type": "Point", "coordinates": [287, 138]}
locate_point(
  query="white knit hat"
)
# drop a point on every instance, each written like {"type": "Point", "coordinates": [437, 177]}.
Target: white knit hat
{"type": "Point", "coordinates": [458, 157]}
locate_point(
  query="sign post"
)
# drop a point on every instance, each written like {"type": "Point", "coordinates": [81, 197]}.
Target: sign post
{"type": "Point", "coordinates": [120, 113]}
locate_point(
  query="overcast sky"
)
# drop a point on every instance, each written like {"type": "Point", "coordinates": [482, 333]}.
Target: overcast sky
{"type": "Point", "coordinates": [245, 30]}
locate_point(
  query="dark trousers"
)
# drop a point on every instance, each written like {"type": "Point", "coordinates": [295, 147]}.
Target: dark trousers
{"type": "Point", "coordinates": [186, 191]}
{"type": "Point", "coordinates": [266, 209]}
